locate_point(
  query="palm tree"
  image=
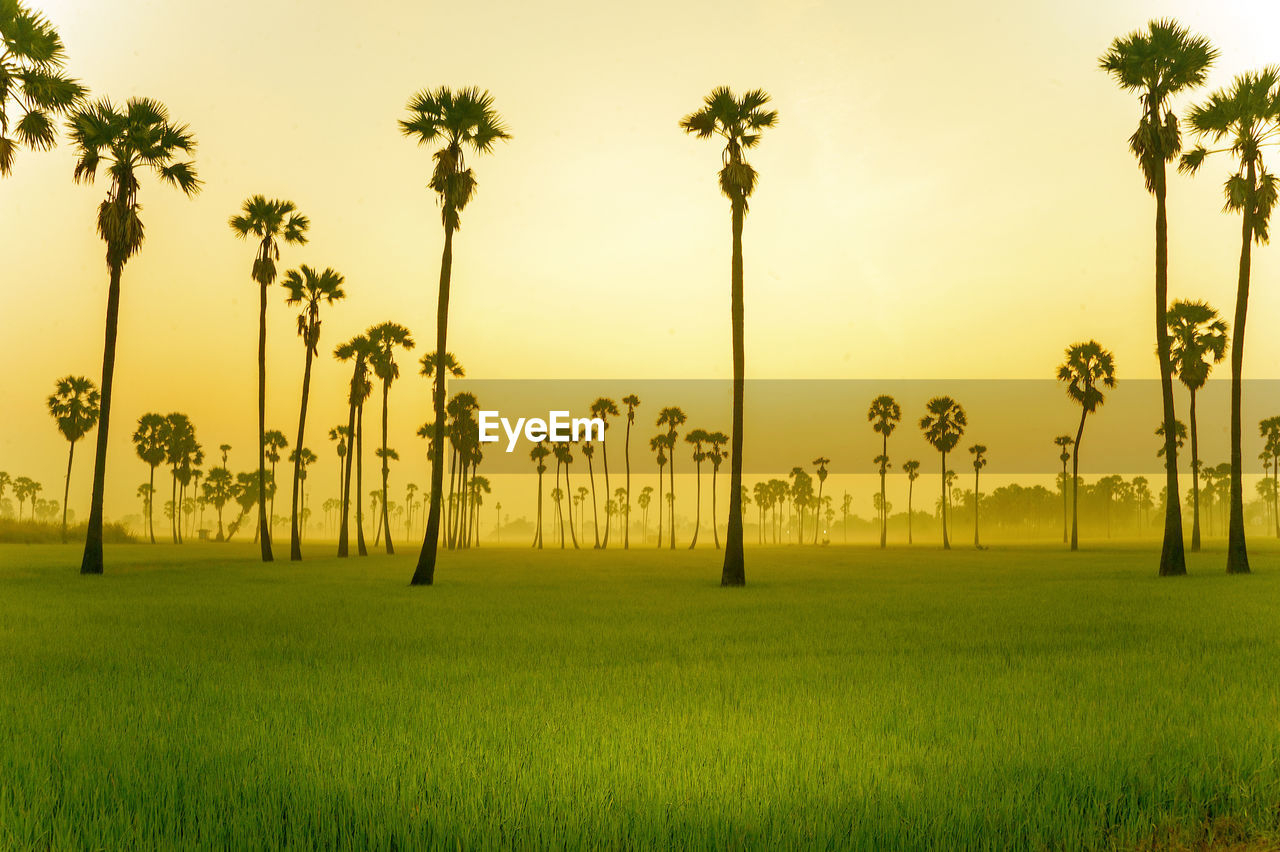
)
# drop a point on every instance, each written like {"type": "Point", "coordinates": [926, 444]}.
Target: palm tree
{"type": "Point", "coordinates": [717, 455]}
{"type": "Point", "coordinates": [1179, 433]}
{"type": "Point", "coordinates": [1157, 64]}
{"type": "Point", "coordinates": [1088, 369]}
{"type": "Point", "coordinates": [269, 221]}
{"type": "Point", "coordinates": [658, 443]}
{"type": "Point", "coordinates": [604, 408]}
{"type": "Point", "coordinates": [1248, 115]}
{"type": "Point", "coordinates": [1064, 444]}
{"type": "Point", "coordinates": [274, 441]}
{"type": "Point", "coordinates": [740, 122]}
{"type": "Point", "coordinates": [357, 350]}
{"type": "Point", "coordinates": [339, 435]}
{"type": "Point", "coordinates": [564, 458]}
{"type": "Point", "coordinates": [697, 437]}
{"type": "Point", "coordinates": [219, 489]}
{"type": "Point", "coordinates": [182, 452]}
{"type": "Point", "coordinates": [643, 500]}
{"type": "Point", "coordinates": [979, 453]}
{"type": "Point", "coordinates": [24, 487]}
{"type": "Point", "coordinates": [631, 401]}
{"type": "Point", "coordinates": [308, 288]}
{"type": "Point", "coordinates": [911, 468]}
{"type": "Point", "coordinates": [821, 464]}
{"type": "Point", "coordinates": [1269, 429]}
{"type": "Point", "coordinates": [943, 424]}
{"type": "Point", "coordinates": [673, 417]}
{"type": "Point", "coordinates": [538, 455]}
{"type": "Point", "coordinates": [884, 415]}
{"type": "Point", "coordinates": [35, 90]}
{"type": "Point", "coordinates": [589, 453]}
{"type": "Point", "coordinates": [457, 122]}
{"type": "Point", "coordinates": [74, 406]}
{"type": "Point", "coordinates": [137, 137]}
{"type": "Point", "coordinates": [385, 338]}
{"type": "Point", "coordinates": [1199, 340]}
{"type": "Point", "coordinates": [302, 459]}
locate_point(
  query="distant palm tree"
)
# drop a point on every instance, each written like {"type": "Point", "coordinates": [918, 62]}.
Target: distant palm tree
{"type": "Point", "coordinates": [309, 288]}
{"type": "Point", "coordinates": [740, 122]}
{"type": "Point", "coordinates": [1247, 114]}
{"type": "Point", "coordinates": [357, 350]}
{"type": "Point", "coordinates": [1088, 369]}
{"type": "Point", "coordinates": [697, 437]}
{"type": "Point", "coordinates": [138, 137]}
{"type": "Point", "coordinates": [1064, 443]}
{"type": "Point", "coordinates": [884, 416]}
{"type": "Point", "coordinates": [821, 464]}
{"type": "Point", "coordinates": [1157, 64]}
{"type": "Point", "coordinates": [339, 435]}
{"type": "Point", "coordinates": [74, 406]}
{"type": "Point", "coordinates": [24, 487]}
{"type": "Point", "coordinates": [274, 441]}
{"type": "Point", "coordinates": [643, 500]}
{"type": "Point", "coordinates": [717, 455]}
{"type": "Point", "coordinates": [35, 91]}
{"type": "Point", "coordinates": [589, 453]}
{"type": "Point", "coordinates": [604, 408]}
{"type": "Point", "coordinates": [149, 441]}
{"type": "Point", "coordinates": [979, 453]}
{"type": "Point", "coordinates": [673, 417]}
{"type": "Point", "coordinates": [538, 455]}
{"type": "Point", "coordinates": [1180, 436]}
{"type": "Point", "coordinates": [458, 122]}
{"type": "Point", "coordinates": [182, 453]}
{"type": "Point", "coordinates": [1269, 429]}
{"type": "Point", "coordinates": [1199, 340]}
{"type": "Point", "coordinates": [268, 222]}
{"type": "Point", "coordinates": [658, 443]}
{"type": "Point", "coordinates": [632, 402]}
{"type": "Point", "coordinates": [911, 468]}
{"type": "Point", "coordinates": [386, 338]}
{"type": "Point", "coordinates": [302, 459]}
{"type": "Point", "coordinates": [943, 424]}
{"type": "Point", "coordinates": [219, 489]}
{"type": "Point", "coordinates": [564, 458]}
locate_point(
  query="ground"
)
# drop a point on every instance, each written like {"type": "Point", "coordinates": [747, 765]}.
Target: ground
{"type": "Point", "coordinates": [1020, 697]}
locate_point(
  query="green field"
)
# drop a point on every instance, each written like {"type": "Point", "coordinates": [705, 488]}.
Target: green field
{"type": "Point", "coordinates": [847, 698]}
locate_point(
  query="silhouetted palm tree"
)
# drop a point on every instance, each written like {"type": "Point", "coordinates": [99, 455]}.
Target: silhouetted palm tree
{"type": "Point", "coordinates": [589, 453]}
{"type": "Point", "coordinates": [457, 122]}
{"type": "Point", "coordinates": [309, 288]}
{"type": "Point", "coordinates": [1157, 64]}
{"type": "Point", "coordinates": [604, 408]}
{"type": "Point", "coordinates": [138, 136]}
{"type": "Point", "coordinates": [911, 468]}
{"type": "Point", "coordinates": [385, 338]}
{"type": "Point", "coordinates": [740, 122]}
{"type": "Point", "coordinates": [274, 441]}
{"type": "Point", "coordinates": [538, 455]}
{"type": "Point", "coordinates": [74, 406]}
{"type": "Point", "coordinates": [182, 453]}
{"type": "Point", "coordinates": [943, 424]}
{"type": "Point", "coordinates": [884, 416]}
{"type": "Point", "coordinates": [357, 350]}
{"type": "Point", "coordinates": [658, 443]}
{"type": "Point", "coordinates": [564, 458]}
{"type": "Point", "coordinates": [1064, 444]}
{"type": "Point", "coordinates": [34, 90]}
{"type": "Point", "coordinates": [631, 401]}
{"type": "Point", "coordinates": [269, 221]}
{"type": "Point", "coordinates": [1088, 369]}
{"type": "Point", "coordinates": [697, 437]}
{"type": "Point", "coordinates": [1180, 436]}
{"type": "Point", "coordinates": [821, 464]}
{"type": "Point", "coordinates": [672, 417]}
{"type": "Point", "coordinates": [149, 441]}
{"type": "Point", "coordinates": [979, 453]}
{"type": "Point", "coordinates": [642, 500]}
{"type": "Point", "coordinates": [1199, 340]}
{"type": "Point", "coordinates": [340, 436]}
{"type": "Point", "coordinates": [1248, 115]}
{"type": "Point", "coordinates": [717, 455]}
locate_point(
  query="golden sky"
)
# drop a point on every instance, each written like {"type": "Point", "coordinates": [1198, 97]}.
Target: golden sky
{"type": "Point", "coordinates": [947, 194]}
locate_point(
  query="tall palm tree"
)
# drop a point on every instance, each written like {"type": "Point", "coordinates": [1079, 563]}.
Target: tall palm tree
{"type": "Point", "coordinates": [564, 458]}
{"type": "Point", "coordinates": [604, 408]}
{"type": "Point", "coordinates": [1246, 117]}
{"type": "Point", "coordinates": [34, 91]}
{"type": "Point", "coordinates": [274, 441]}
{"type": "Point", "coordinates": [717, 455]}
{"type": "Point", "coordinates": [740, 123]}
{"type": "Point", "coordinates": [183, 453]}
{"type": "Point", "coordinates": [821, 464]}
{"type": "Point", "coordinates": [1088, 369]}
{"type": "Point", "coordinates": [884, 416]}
{"type": "Point", "coordinates": [1157, 64]}
{"type": "Point", "coordinates": [911, 468]}
{"type": "Point", "coordinates": [269, 221]}
{"type": "Point", "coordinates": [589, 453]}
{"type": "Point", "coordinates": [632, 402]}
{"type": "Point", "coordinates": [310, 289]}
{"type": "Point", "coordinates": [943, 424]}
{"type": "Point", "coordinates": [357, 350]}
{"type": "Point", "coordinates": [697, 437]}
{"type": "Point", "coordinates": [538, 455]}
{"type": "Point", "coordinates": [1199, 340]}
{"type": "Point", "coordinates": [658, 443]}
{"type": "Point", "coordinates": [979, 453]}
{"type": "Point", "coordinates": [340, 436]}
{"type": "Point", "coordinates": [136, 137]}
{"type": "Point", "coordinates": [149, 441]}
{"type": "Point", "coordinates": [74, 406]}
{"type": "Point", "coordinates": [1064, 444]}
{"type": "Point", "coordinates": [1269, 430]}
{"type": "Point", "coordinates": [386, 338]}
{"type": "Point", "coordinates": [673, 417]}
{"type": "Point", "coordinates": [458, 122]}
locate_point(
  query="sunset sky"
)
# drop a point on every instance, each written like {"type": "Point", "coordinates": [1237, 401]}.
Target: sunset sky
{"type": "Point", "coordinates": [948, 194]}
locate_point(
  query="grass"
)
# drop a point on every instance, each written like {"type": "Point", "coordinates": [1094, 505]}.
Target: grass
{"type": "Point", "coordinates": [847, 698]}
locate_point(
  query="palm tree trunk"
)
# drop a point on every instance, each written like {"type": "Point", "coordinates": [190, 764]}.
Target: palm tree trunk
{"type": "Point", "coordinates": [173, 504]}
{"type": "Point", "coordinates": [1064, 501]}
{"type": "Point", "coordinates": [626, 518]}
{"type": "Point", "coordinates": [361, 549]}
{"type": "Point", "coordinates": [946, 544]}
{"type": "Point", "coordinates": [386, 470]}
{"type": "Point", "coordinates": [1237, 553]}
{"type": "Point", "coordinates": [568, 495]}
{"type": "Point", "coordinates": [1075, 479]}
{"type": "Point", "coordinates": [911, 486]}
{"type": "Point", "coordinates": [604, 454]}
{"type": "Point", "coordinates": [295, 536]}
{"type": "Point", "coordinates": [264, 527]}
{"type": "Point", "coordinates": [1275, 492]}
{"type": "Point", "coordinates": [976, 543]}
{"type": "Point", "coordinates": [91, 563]}
{"type": "Point", "coordinates": [537, 537]}
{"type": "Point", "coordinates": [66, 490]}
{"type": "Point", "coordinates": [424, 573]}
{"type": "Point", "coordinates": [661, 510]}
{"type": "Point", "coordinates": [671, 509]}
{"type": "Point", "coordinates": [1195, 477]}
{"type": "Point", "coordinates": [817, 515]}
{"type": "Point", "coordinates": [715, 533]}
{"type": "Point", "coordinates": [1173, 561]}
{"type": "Point", "coordinates": [697, 506]}
{"type": "Point", "coordinates": [151, 505]}
{"type": "Point", "coordinates": [595, 515]}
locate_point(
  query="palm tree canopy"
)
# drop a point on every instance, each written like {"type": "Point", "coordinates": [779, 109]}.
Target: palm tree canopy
{"type": "Point", "coordinates": [603, 408]}
{"type": "Point", "coordinates": [309, 288]}
{"type": "Point", "coordinates": [151, 438]}
{"type": "Point", "coordinates": [884, 414]}
{"type": "Point", "coordinates": [33, 87]}
{"type": "Point", "coordinates": [74, 406]}
{"type": "Point", "coordinates": [911, 468]}
{"type": "Point", "coordinates": [451, 365]}
{"type": "Point", "coordinates": [1158, 63]}
{"type": "Point", "coordinates": [269, 220]}
{"type": "Point", "coordinates": [740, 122]}
{"type": "Point", "coordinates": [457, 121]}
{"type": "Point", "coordinates": [1179, 436]}
{"type": "Point", "coordinates": [384, 338]}
{"type": "Point", "coordinates": [139, 135]}
{"type": "Point", "coordinates": [979, 453]}
{"type": "Point", "coordinates": [1087, 370]}
{"type": "Point", "coordinates": [943, 423]}
{"type": "Point", "coordinates": [274, 440]}
{"type": "Point", "coordinates": [1198, 341]}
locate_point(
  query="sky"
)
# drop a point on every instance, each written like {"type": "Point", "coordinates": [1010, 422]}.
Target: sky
{"type": "Point", "coordinates": [947, 195]}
